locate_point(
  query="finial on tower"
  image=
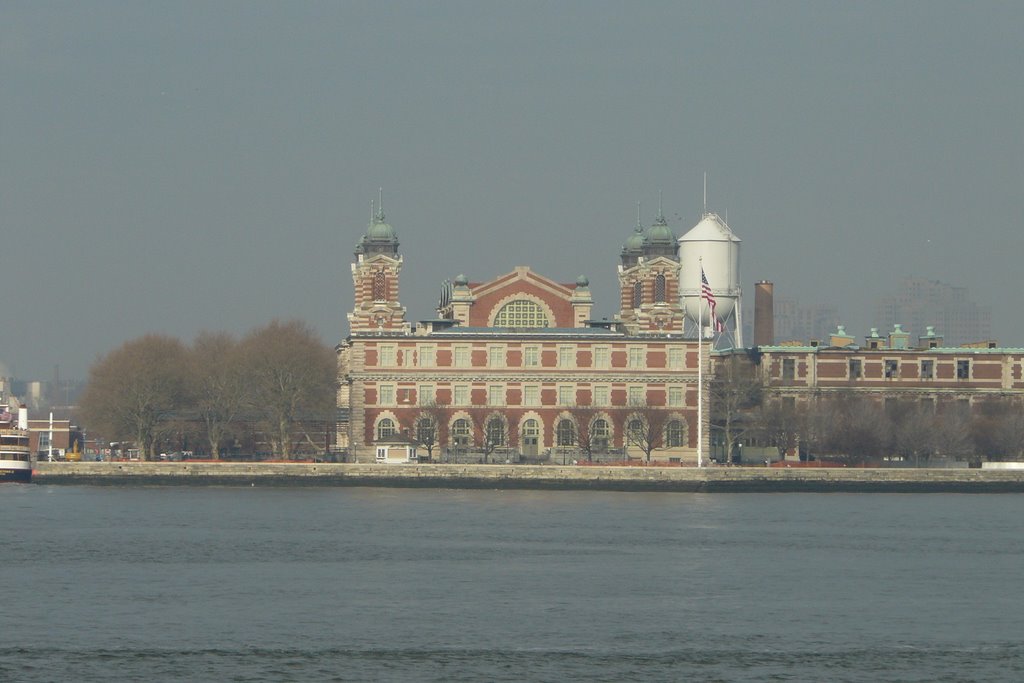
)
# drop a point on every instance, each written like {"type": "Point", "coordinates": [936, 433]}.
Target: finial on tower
{"type": "Point", "coordinates": [639, 225]}
{"type": "Point", "coordinates": [705, 193]}
{"type": "Point", "coordinates": [380, 196]}
{"type": "Point", "coordinates": [661, 214]}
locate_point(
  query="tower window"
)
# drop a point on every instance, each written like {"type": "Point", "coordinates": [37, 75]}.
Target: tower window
{"type": "Point", "coordinates": [638, 294]}
{"type": "Point", "coordinates": [380, 286]}
{"type": "Point", "coordinates": [659, 289]}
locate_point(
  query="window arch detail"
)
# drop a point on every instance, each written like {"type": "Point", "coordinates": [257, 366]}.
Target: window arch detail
{"type": "Point", "coordinates": [521, 313]}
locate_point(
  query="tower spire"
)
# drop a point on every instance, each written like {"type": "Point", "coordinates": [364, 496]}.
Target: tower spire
{"type": "Point", "coordinates": [639, 225]}
{"type": "Point", "coordinates": [661, 214]}
{"type": "Point", "coordinates": [380, 202]}
{"type": "Point", "coordinates": [705, 193]}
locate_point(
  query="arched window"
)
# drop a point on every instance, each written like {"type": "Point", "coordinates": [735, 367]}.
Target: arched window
{"type": "Point", "coordinates": [496, 432]}
{"type": "Point", "coordinates": [386, 428]}
{"type": "Point", "coordinates": [566, 433]}
{"type": "Point", "coordinates": [638, 294]}
{"type": "Point", "coordinates": [521, 313]}
{"type": "Point", "coordinates": [599, 434]}
{"type": "Point", "coordinates": [380, 286]}
{"type": "Point", "coordinates": [461, 432]}
{"type": "Point", "coordinates": [659, 288]}
{"type": "Point", "coordinates": [426, 431]}
{"type": "Point", "coordinates": [635, 431]}
{"type": "Point", "coordinates": [675, 434]}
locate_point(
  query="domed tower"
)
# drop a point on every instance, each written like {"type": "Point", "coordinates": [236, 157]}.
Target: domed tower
{"type": "Point", "coordinates": [633, 249]}
{"type": "Point", "coordinates": [712, 246]}
{"type": "Point", "coordinates": [375, 277]}
{"type": "Point", "coordinates": [649, 279]}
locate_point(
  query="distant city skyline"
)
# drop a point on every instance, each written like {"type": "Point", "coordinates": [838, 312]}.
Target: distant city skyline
{"type": "Point", "coordinates": [189, 166]}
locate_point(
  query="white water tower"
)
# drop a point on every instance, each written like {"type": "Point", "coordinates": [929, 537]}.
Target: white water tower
{"type": "Point", "coordinates": [712, 243]}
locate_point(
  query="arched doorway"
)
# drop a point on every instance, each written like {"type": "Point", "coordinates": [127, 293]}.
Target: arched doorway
{"type": "Point", "coordinates": [531, 438]}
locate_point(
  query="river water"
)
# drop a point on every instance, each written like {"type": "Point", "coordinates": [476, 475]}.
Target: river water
{"type": "Point", "coordinates": [360, 584]}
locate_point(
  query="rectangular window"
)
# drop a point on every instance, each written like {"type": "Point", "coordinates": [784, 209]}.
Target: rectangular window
{"type": "Point", "coordinates": [676, 357]}
{"type": "Point", "coordinates": [566, 357]}
{"type": "Point", "coordinates": [892, 368]}
{"type": "Point", "coordinates": [636, 396]}
{"type": "Point", "coordinates": [496, 395]}
{"type": "Point", "coordinates": [602, 395]}
{"type": "Point", "coordinates": [428, 356]}
{"type": "Point", "coordinates": [531, 356]}
{"type": "Point", "coordinates": [788, 368]}
{"type": "Point", "coordinates": [927, 369]}
{"type": "Point", "coordinates": [386, 394]}
{"type": "Point", "coordinates": [676, 396]}
{"type": "Point", "coordinates": [963, 369]}
{"type": "Point", "coordinates": [567, 396]}
{"type": "Point", "coordinates": [602, 357]}
{"type": "Point", "coordinates": [855, 370]}
{"type": "Point", "coordinates": [460, 394]}
{"type": "Point", "coordinates": [461, 355]}
{"type": "Point", "coordinates": [425, 395]}
{"type": "Point", "coordinates": [496, 356]}
{"type": "Point", "coordinates": [636, 357]}
{"type": "Point", "coordinates": [388, 355]}
{"type": "Point", "coordinates": [531, 395]}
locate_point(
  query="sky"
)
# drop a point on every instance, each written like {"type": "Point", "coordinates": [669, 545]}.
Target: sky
{"type": "Point", "coordinates": [175, 167]}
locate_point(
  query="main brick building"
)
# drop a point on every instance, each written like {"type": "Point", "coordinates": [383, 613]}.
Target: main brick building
{"type": "Point", "coordinates": [515, 369]}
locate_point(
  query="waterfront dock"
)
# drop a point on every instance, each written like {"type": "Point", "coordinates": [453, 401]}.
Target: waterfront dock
{"type": "Point", "coordinates": [537, 477]}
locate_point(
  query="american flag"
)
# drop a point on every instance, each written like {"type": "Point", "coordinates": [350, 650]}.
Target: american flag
{"type": "Point", "coordinates": [707, 294]}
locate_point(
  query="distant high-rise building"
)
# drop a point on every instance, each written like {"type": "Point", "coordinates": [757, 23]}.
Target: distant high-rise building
{"type": "Point", "coordinates": [795, 322]}
{"type": "Point", "coordinates": [921, 302]}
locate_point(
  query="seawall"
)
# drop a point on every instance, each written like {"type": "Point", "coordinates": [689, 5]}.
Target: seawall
{"type": "Point", "coordinates": [712, 479]}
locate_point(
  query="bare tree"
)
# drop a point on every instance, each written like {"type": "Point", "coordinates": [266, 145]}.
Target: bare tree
{"type": "Point", "coordinates": [493, 430]}
{"type": "Point", "coordinates": [644, 428]}
{"type": "Point", "coordinates": [914, 433]}
{"type": "Point", "coordinates": [292, 376]}
{"type": "Point", "coordinates": [735, 391]}
{"type": "Point", "coordinates": [430, 419]}
{"type": "Point", "coordinates": [586, 439]}
{"type": "Point", "coordinates": [135, 390]}
{"type": "Point", "coordinates": [781, 424]}
{"type": "Point", "coordinates": [861, 429]}
{"type": "Point", "coordinates": [218, 385]}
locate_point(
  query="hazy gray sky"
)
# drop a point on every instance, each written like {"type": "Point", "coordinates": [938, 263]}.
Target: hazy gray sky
{"type": "Point", "coordinates": [180, 166]}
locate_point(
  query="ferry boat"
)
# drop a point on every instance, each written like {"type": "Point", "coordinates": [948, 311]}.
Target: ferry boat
{"type": "Point", "coordinates": [15, 454]}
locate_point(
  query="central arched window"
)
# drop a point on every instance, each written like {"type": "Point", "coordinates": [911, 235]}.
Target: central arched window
{"type": "Point", "coordinates": [521, 313]}
{"type": "Point", "coordinates": [426, 431]}
{"type": "Point", "coordinates": [599, 434]}
{"type": "Point", "coordinates": [566, 433]}
{"type": "Point", "coordinates": [638, 294]}
{"type": "Point", "coordinates": [496, 432]}
{"type": "Point", "coordinates": [460, 432]}
{"type": "Point", "coordinates": [385, 428]}
{"type": "Point", "coordinates": [659, 289]}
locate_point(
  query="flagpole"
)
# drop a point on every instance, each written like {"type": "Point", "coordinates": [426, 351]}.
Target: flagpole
{"type": "Point", "coordinates": [700, 362]}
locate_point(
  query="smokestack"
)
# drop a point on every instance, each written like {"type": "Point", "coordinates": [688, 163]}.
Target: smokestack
{"type": "Point", "coordinates": [764, 313]}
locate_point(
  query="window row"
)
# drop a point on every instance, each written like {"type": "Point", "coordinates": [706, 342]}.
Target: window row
{"type": "Point", "coordinates": [892, 369]}
{"type": "Point", "coordinates": [494, 431]}
{"type": "Point", "coordinates": [529, 356]}
{"type": "Point", "coordinates": [530, 395]}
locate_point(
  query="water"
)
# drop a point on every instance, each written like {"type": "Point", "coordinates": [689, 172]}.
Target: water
{"type": "Point", "coordinates": [356, 584]}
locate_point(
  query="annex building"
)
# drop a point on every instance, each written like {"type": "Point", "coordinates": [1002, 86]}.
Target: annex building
{"type": "Point", "coordinates": [514, 369]}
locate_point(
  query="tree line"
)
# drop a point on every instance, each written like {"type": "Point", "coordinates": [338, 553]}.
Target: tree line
{"type": "Point", "coordinates": [853, 428]}
{"type": "Point", "coordinates": [154, 389]}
